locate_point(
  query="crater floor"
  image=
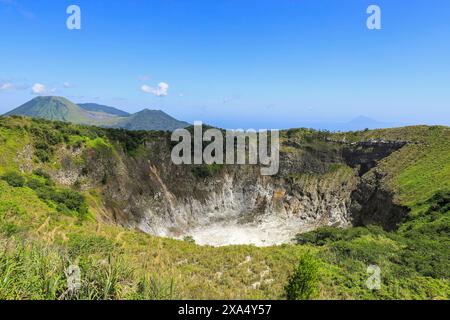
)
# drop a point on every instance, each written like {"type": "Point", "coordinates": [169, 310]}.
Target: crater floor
{"type": "Point", "coordinates": [268, 232]}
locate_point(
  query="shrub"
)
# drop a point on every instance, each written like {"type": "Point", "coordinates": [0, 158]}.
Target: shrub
{"type": "Point", "coordinates": [427, 257]}
{"type": "Point", "coordinates": [41, 173]}
{"type": "Point", "coordinates": [72, 200]}
{"type": "Point", "coordinates": [205, 171]}
{"type": "Point", "coordinates": [14, 179]}
{"type": "Point", "coordinates": [325, 235]}
{"type": "Point", "coordinates": [35, 184]}
{"type": "Point", "coordinates": [189, 239]}
{"type": "Point", "coordinates": [302, 284]}
{"type": "Point", "coordinates": [67, 201]}
{"type": "Point", "coordinates": [44, 140]}
{"type": "Point", "coordinates": [42, 155]}
{"type": "Point", "coordinates": [369, 249]}
{"type": "Point", "coordinates": [54, 138]}
{"type": "Point", "coordinates": [318, 237]}
{"type": "Point", "coordinates": [440, 202]}
{"type": "Point", "coordinates": [129, 140]}
{"type": "Point", "coordinates": [9, 229]}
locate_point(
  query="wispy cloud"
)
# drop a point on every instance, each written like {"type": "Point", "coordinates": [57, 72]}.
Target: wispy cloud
{"type": "Point", "coordinates": [6, 86]}
{"type": "Point", "coordinates": [161, 91]}
{"type": "Point", "coordinates": [19, 8]}
{"type": "Point", "coordinates": [10, 85]}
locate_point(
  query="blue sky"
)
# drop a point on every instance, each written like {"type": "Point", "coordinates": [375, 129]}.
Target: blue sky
{"type": "Point", "coordinates": [235, 63]}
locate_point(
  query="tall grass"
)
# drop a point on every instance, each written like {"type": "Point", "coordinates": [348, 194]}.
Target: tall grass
{"type": "Point", "coordinates": [31, 270]}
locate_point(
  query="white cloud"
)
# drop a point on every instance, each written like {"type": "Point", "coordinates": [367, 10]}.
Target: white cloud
{"type": "Point", "coordinates": [161, 91]}
{"type": "Point", "coordinates": [67, 85]}
{"type": "Point", "coordinates": [6, 86]}
{"type": "Point", "coordinates": [38, 88]}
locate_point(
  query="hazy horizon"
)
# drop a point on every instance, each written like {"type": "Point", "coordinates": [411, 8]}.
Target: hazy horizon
{"type": "Point", "coordinates": [358, 123]}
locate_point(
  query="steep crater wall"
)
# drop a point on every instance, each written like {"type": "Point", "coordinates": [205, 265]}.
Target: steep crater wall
{"type": "Point", "coordinates": [319, 183]}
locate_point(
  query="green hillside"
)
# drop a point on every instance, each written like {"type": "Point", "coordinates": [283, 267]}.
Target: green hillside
{"type": "Point", "coordinates": [61, 109]}
{"type": "Point", "coordinates": [154, 119]}
{"type": "Point", "coordinates": [45, 226]}
{"type": "Point", "coordinates": [94, 107]}
{"type": "Point", "coordinates": [51, 108]}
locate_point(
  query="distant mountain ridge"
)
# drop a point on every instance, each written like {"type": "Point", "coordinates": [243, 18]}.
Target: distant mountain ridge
{"type": "Point", "coordinates": [94, 107]}
{"type": "Point", "coordinates": [62, 109]}
{"type": "Point", "coordinates": [363, 122]}
{"type": "Point", "coordinates": [156, 119]}
{"type": "Point", "coordinates": [51, 108]}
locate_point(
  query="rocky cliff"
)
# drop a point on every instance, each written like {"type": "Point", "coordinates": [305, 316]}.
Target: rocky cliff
{"type": "Point", "coordinates": [321, 182]}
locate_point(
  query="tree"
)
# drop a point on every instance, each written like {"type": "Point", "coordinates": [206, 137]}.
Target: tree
{"type": "Point", "coordinates": [302, 284]}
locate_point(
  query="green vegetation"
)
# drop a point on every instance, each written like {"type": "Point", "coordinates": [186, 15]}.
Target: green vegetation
{"type": "Point", "coordinates": [14, 179]}
{"type": "Point", "coordinates": [305, 135]}
{"type": "Point", "coordinates": [45, 142]}
{"type": "Point", "coordinates": [12, 141]}
{"type": "Point", "coordinates": [189, 239]}
{"type": "Point", "coordinates": [46, 226]}
{"type": "Point", "coordinates": [66, 201]}
{"type": "Point", "coordinates": [94, 107]}
{"type": "Point", "coordinates": [33, 271]}
{"type": "Point", "coordinates": [419, 170]}
{"type": "Point", "coordinates": [50, 108]}
{"type": "Point", "coordinates": [206, 170]}
{"type": "Point", "coordinates": [130, 141]}
{"type": "Point", "coordinates": [61, 109]}
{"type": "Point", "coordinates": [414, 259]}
{"type": "Point", "coordinates": [303, 283]}
{"type": "Point", "coordinates": [150, 120]}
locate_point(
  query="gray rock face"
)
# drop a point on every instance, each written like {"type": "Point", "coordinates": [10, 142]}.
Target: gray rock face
{"type": "Point", "coordinates": [318, 184]}
{"type": "Point", "coordinates": [372, 203]}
